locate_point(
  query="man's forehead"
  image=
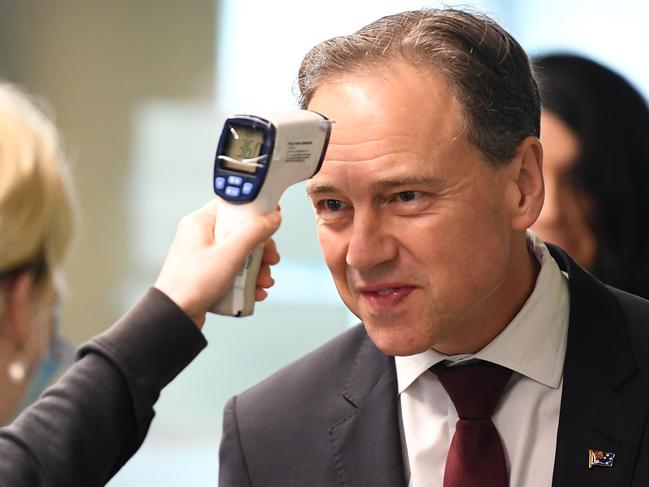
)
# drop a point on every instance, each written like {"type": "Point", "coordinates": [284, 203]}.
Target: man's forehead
{"type": "Point", "coordinates": [398, 76]}
{"type": "Point", "coordinates": [402, 100]}
{"type": "Point", "coordinates": [394, 150]}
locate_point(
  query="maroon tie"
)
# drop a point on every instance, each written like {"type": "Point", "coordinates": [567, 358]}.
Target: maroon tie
{"type": "Point", "coordinates": [475, 458]}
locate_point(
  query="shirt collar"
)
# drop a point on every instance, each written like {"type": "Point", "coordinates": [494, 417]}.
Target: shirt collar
{"type": "Point", "coordinates": [534, 342]}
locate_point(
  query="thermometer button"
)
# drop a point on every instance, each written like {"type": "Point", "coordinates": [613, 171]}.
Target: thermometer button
{"type": "Point", "coordinates": [220, 183]}
{"type": "Point", "coordinates": [235, 180]}
{"type": "Point", "coordinates": [247, 188]}
{"type": "Point", "coordinates": [232, 191]}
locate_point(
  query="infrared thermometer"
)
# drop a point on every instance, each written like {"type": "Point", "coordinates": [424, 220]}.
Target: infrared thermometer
{"type": "Point", "coordinates": [257, 158]}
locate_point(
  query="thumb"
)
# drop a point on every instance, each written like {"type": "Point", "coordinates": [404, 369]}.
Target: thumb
{"type": "Point", "coordinates": [242, 240]}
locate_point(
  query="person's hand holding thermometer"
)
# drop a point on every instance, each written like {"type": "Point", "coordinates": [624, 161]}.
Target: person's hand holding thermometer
{"type": "Point", "coordinates": [257, 158]}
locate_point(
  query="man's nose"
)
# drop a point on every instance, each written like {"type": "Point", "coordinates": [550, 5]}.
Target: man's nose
{"type": "Point", "coordinates": [370, 243]}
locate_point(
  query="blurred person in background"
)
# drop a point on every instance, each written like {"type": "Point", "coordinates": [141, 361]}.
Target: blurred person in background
{"type": "Point", "coordinates": [595, 136]}
{"type": "Point", "coordinates": [37, 220]}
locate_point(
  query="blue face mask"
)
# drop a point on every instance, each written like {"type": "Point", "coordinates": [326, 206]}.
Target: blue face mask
{"type": "Point", "coordinates": [56, 359]}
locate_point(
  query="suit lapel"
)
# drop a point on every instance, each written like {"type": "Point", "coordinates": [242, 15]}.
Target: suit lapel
{"type": "Point", "coordinates": [594, 415]}
{"type": "Point", "coordinates": [366, 439]}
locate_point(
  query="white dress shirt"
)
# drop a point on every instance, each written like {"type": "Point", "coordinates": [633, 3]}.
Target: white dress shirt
{"type": "Point", "coordinates": [533, 345]}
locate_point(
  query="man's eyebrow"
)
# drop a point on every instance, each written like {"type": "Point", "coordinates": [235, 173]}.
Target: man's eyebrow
{"type": "Point", "coordinates": [381, 185]}
{"type": "Point", "coordinates": [405, 181]}
{"type": "Point", "coordinates": [313, 189]}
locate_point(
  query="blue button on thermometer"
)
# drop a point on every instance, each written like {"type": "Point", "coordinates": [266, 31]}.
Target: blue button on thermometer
{"type": "Point", "coordinates": [259, 157]}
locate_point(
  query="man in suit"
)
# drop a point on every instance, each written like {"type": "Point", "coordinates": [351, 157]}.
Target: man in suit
{"type": "Point", "coordinates": [430, 182]}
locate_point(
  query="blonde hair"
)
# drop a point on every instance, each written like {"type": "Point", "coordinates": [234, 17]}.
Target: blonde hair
{"type": "Point", "coordinates": [38, 209]}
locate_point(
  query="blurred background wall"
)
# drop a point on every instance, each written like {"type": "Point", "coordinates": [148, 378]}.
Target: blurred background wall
{"type": "Point", "coordinates": [140, 90]}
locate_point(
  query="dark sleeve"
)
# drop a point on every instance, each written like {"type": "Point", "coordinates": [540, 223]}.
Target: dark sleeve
{"type": "Point", "coordinates": [87, 425]}
{"type": "Point", "coordinates": [232, 465]}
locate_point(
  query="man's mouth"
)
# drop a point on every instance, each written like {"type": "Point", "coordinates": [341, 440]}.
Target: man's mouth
{"type": "Point", "coordinates": [386, 292]}
{"type": "Point", "coordinates": [386, 295]}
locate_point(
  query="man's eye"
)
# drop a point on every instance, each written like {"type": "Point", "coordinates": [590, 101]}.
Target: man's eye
{"type": "Point", "coordinates": [406, 196]}
{"type": "Point", "coordinates": [332, 205]}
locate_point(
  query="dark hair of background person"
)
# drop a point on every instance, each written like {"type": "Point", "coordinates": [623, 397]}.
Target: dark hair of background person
{"type": "Point", "coordinates": [611, 121]}
{"type": "Point", "coordinates": [486, 68]}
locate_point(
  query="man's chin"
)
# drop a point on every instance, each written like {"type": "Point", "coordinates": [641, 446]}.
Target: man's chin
{"type": "Point", "coordinates": [394, 340]}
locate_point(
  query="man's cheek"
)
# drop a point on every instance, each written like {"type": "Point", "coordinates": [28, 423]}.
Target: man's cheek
{"type": "Point", "coordinates": [332, 250]}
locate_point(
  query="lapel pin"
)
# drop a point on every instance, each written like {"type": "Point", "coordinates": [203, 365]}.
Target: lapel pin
{"type": "Point", "coordinates": [599, 458]}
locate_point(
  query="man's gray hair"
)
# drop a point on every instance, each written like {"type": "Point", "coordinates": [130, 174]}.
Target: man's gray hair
{"type": "Point", "coordinates": [486, 68]}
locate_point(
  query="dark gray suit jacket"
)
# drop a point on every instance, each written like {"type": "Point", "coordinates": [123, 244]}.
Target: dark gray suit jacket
{"type": "Point", "coordinates": [331, 418]}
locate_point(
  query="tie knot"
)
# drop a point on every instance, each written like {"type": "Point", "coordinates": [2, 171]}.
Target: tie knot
{"type": "Point", "coordinates": [474, 388]}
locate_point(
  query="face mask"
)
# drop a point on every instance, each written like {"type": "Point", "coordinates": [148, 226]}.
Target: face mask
{"type": "Point", "coordinates": [56, 359]}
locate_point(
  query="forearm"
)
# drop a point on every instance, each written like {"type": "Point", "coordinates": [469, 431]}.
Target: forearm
{"type": "Point", "coordinates": [87, 425]}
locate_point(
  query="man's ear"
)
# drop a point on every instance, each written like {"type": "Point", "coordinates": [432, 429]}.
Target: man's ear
{"type": "Point", "coordinates": [528, 179]}
{"type": "Point", "coordinates": [17, 306]}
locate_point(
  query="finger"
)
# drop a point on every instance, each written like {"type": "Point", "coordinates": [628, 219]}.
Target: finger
{"type": "Point", "coordinates": [242, 240]}
{"type": "Point", "coordinates": [199, 223]}
{"type": "Point", "coordinates": [264, 279]}
{"type": "Point", "coordinates": [260, 294]}
{"type": "Point", "coordinates": [207, 212]}
{"type": "Point", "coordinates": [271, 256]}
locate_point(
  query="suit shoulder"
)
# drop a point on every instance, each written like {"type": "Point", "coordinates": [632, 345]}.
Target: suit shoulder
{"type": "Point", "coordinates": [635, 313]}
{"type": "Point", "coordinates": [318, 373]}
{"type": "Point", "coordinates": [634, 309]}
